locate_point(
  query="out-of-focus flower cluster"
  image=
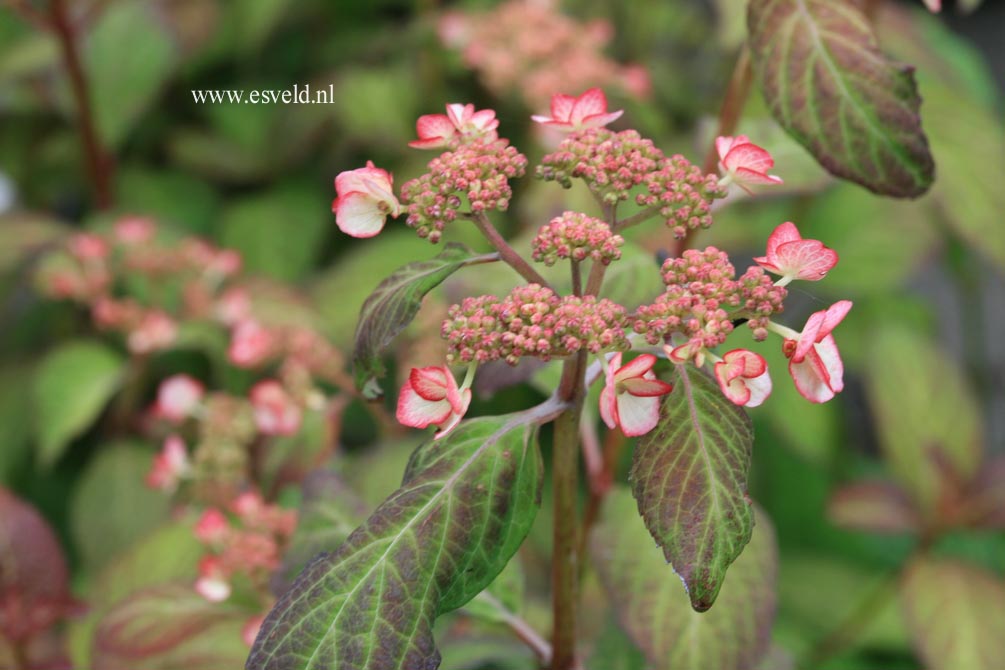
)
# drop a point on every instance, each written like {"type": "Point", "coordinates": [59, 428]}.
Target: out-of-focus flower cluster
{"type": "Point", "coordinates": [474, 177]}
{"type": "Point", "coordinates": [531, 321]}
{"type": "Point", "coordinates": [530, 47]}
{"type": "Point", "coordinates": [244, 546]}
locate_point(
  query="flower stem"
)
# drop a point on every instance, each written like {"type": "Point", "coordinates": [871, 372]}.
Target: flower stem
{"type": "Point", "coordinates": [565, 556]}
{"type": "Point", "coordinates": [99, 163]}
{"type": "Point", "coordinates": [506, 252]}
{"type": "Point", "coordinates": [577, 279]}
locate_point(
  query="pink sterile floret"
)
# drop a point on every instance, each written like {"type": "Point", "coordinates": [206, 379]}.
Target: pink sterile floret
{"type": "Point", "coordinates": [276, 411]}
{"type": "Point", "coordinates": [177, 397]}
{"type": "Point", "coordinates": [791, 256]}
{"type": "Point", "coordinates": [251, 344]}
{"type": "Point", "coordinates": [155, 331]}
{"type": "Point", "coordinates": [572, 114]}
{"type": "Point", "coordinates": [743, 377]}
{"type": "Point", "coordinates": [814, 360]}
{"type": "Point", "coordinates": [631, 395]}
{"type": "Point", "coordinates": [744, 162]}
{"type": "Point", "coordinates": [170, 466]}
{"type": "Point", "coordinates": [364, 199]}
{"type": "Point", "coordinates": [460, 124]}
{"type": "Point", "coordinates": [431, 397]}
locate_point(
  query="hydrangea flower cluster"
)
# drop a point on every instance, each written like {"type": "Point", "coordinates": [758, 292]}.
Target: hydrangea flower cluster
{"type": "Point", "coordinates": [475, 175]}
{"type": "Point", "coordinates": [531, 321]}
{"type": "Point", "coordinates": [703, 302]}
{"type": "Point", "coordinates": [577, 236]}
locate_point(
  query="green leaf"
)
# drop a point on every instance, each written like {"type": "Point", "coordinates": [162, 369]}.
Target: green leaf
{"type": "Point", "coordinates": [689, 476]}
{"type": "Point", "coordinates": [956, 614]}
{"type": "Point", "coordinates": [652, 605]}
{"type": "Point", "coordinates": [503, 599]}
{"type": "Point", "coordinates": [873, 506]}
{"type": "Point", "coordinates": [123, 86]}
{"type": "Point", "coordinates": [175, 198]}
{"type": "Point", "coordinates": [918, 437]}
{"type": "Point", "coordinates": [393, 305]}
{"type": "Point", "coordinates": [170, 627]}
{"type": "Point", "coordinates": [15, 440]}
{"type": "Point", "coordinates": [830, 86]}
{"type": "Point", "coordinates": [71, 387]}
{"type": "Point", "coordinates": [100, 529]}
{"type": "Point", "coordinates": [260, 228]}
{"type": "Point", "coordinates": [330, 511]}
{"type": "Point", "coordinates": [464, 507]}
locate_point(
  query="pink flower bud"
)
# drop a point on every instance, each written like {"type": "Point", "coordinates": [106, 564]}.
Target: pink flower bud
{"type": "Point", "coordinates": [212, 527]}
{"type": "Point", "coordinates": [251, 344]}
{"type": "Point", "coordinates": [631, 395]}
{"type": "Point", "coordinates": [88, 247]}
{"type": "Point", "coordinates": [276, 412]}
{"type": "Point", "coordinates": [177, 398]}
{"type": "Point", "coordinates": [364, 198]}
{"type": "Point", "coordinates": [212, 583]}
{"type": "Point", "coordinates": [155, 331]}
{"type": "Point", "coordinates": [134, 230]}
{"type": "Point", "coordinates": [744, 162]}
{"type": "Point", "coordinates": [170, 466]}
{"type": "Point", "coordinates": [572, 114]}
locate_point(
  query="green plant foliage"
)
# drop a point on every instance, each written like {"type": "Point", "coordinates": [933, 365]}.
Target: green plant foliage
{"type": "Point", "coordinates": [503, 598]}
{"type": "Point", "coordinates": [689, 476]}
{"type": "Point", "coordinates": [170, 627]}
{"type": "Point", "coordinates": [653, 606]}
{"type": "Point", "coordinates": [71, 387]}
{"type": "Point", "coordinates": [922, 439]}
{"type": "Point", "coordinates": [123, 88]}
{"type": "Point", "coordinates": [829, 85]}
{"type": "Point", "coordinates": [393, 305]}
{"type": "Point", "coordinates": [465, 505]}
{"type": "Point", "coordinates": [259, 228]}
{"type": "Point", "coordinates": [112, 506]}
{"type": "Point", "coordinates": [956, 614]}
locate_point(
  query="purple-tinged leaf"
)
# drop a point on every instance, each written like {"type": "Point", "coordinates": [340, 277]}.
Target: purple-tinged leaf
{"type": "Point", "coordinates": [393, 305]}
{"type": "Point", "coordinates": [34, 583]}
{"type": "Point", "coordinates": [985, 502]}
{"type": "Point", "coordinates": [830, 86]}
{"type": "Point", "coordinates": [955, 613]}
{"type": "Point", "coordinates": [931, 446]}
{"type": "Point", "coordinates": [653, 607]}
{"type": "Point", "coordinates": [170, 627]}
{"type": "Point", "coordinates": [466, 503]}
{"type": "Point", "coordinates": [689, 476]}
{"type": "Point", "coordinates": [874, 506]}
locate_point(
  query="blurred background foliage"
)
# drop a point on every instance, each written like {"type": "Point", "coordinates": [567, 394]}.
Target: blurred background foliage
{"type": "Point", "coordinates": [923, 347]}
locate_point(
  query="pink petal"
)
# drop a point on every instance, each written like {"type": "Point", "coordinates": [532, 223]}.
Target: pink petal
{"type": "Point", "coordinates": [637, 415]}
{"type": "Point", "coordinates": [748, 363]}
{"type": "Point", "coordinates": [460, 114]}
{"type": "Point", "coordinates": [830, 358]}
{"type": "Point", "coordinates": [600, 120]}
{"type": "Point", "coordinates": [806, 259]}
{"type": "Point", "coordinates": [485, 119]}
{"type": "Point", "coordinates": [835, 314]}
{"type": "Point", "coordinates": [745, 176]}
{"type": "Point", "coordinates": [809, 336]}
{"type": "Point", "coordinates": [358, 215]}
{"type": "Point", "coordinates": [749, 156]}
{"type": "Point", "coordinates": [417, 412]}
{"type": "Point", "coordinates": [760, 389]}
{"type": "Point", "coordinates": [352, 180]}
{"type": "Point", "coordinates": [819, 376]}
{"type": "Point", "coordinates": [213, 589]}
{"type": "Point", "coordinates": [786, 232]}
{"type": "Point", "coordinates": [432, 143]}
{"type": "Point", "coordinates": [634, 368]}
{"type": "Point", "coordinates": [735, 390]}
{"type": "Point", "coordinates": [434, 127]}
{"type": "Point", "coordinates": [646, 388]}
{"type": "Point", "coordinates": [590, 103]}
{"type": "Point", "coordinates": [722, 146]}
{"type": "Point", "coordinates": [608, 399]}
{"type": "Point", "coordinates": [546, 120]}
{"type": "Point", "coordinates": [430, 382]}
{"type": "Point", "coordinates": [562, 106]}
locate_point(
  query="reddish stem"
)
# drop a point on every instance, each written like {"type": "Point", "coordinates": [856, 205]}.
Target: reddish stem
{"type": "Point", "coordinates": [99, 163]}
